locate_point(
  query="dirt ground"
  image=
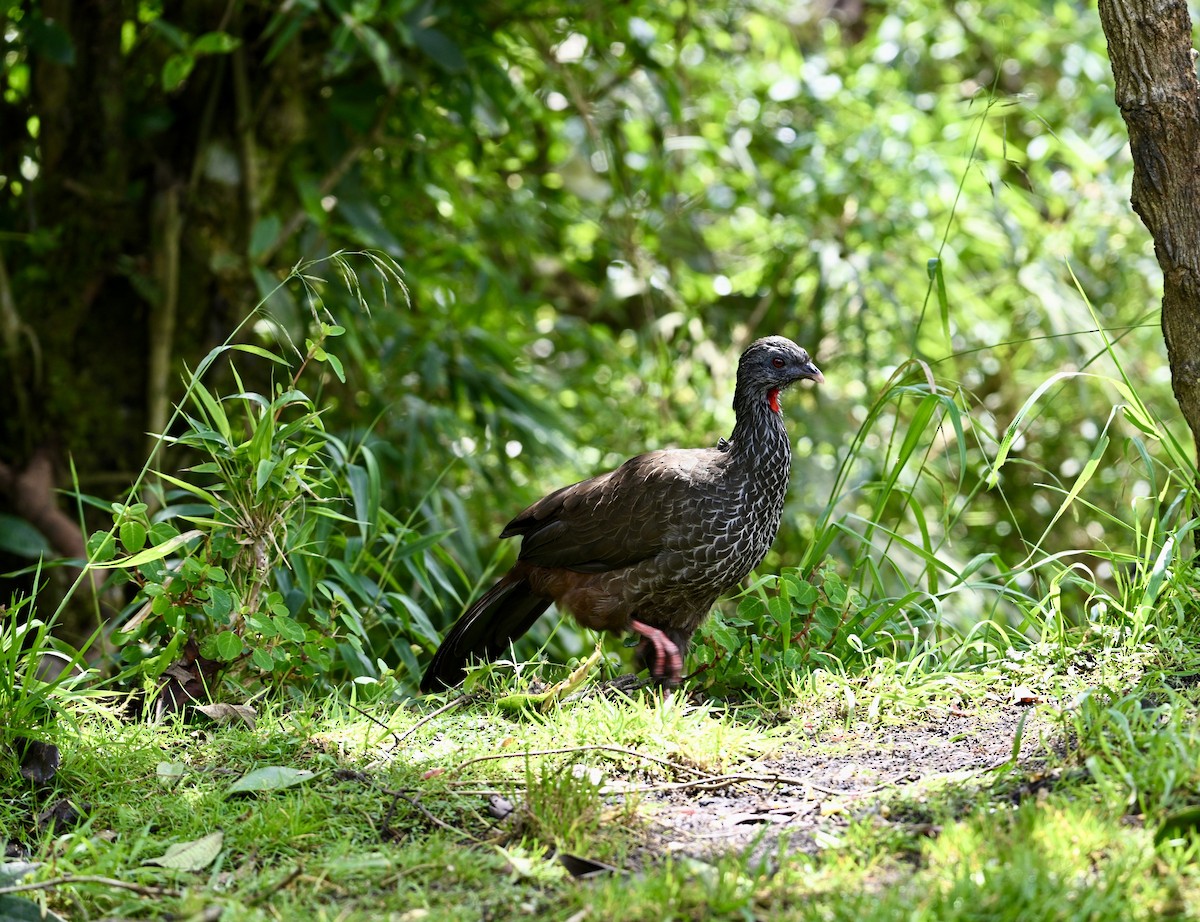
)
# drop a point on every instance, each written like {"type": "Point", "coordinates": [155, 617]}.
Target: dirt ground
{"type": "Point", "coordinates": [810, 791]}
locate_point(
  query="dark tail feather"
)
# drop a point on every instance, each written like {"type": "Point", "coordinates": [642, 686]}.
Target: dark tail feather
{"type": "Point", "coordinates": [500, 616]}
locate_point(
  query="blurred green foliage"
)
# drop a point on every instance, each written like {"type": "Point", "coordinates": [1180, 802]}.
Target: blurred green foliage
{"type": "Point", "coordinates": [596, 205]}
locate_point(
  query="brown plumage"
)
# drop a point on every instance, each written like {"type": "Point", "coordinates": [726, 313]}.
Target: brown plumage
{"type": "Point", "coordinates": [649, 546]}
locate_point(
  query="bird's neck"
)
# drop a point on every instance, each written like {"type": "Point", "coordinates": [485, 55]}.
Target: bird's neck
{"type": "Point", "coordinates": [759, 433]}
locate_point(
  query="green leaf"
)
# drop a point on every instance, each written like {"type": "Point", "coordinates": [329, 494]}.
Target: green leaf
{"type": "Point", "coordinates": [260, 352]}
{"type": "Point", "coordinates": [266, 230]}
{"type": "Point", "coordinates": [1014, 428]}
{"type": "Point", "coordinates": [101, 546]}
{"type": "Point", "coordinates": [209, 498]}
{"type": "Point", "coordinates": [175, 70]}
{"type": "Point", "coordinates": [1182, 824]}
{"type": "Point", "coordinates": [938, 277]}
{"type": "Point", "coordinates": [802, 593]}
{"type": "Point", "coordinates": [158, 552]}
{"type": "Point", "coordinates": [438, 46]}
{"type": "Point", "coordinates": [219, 604]}
{"type": "Point", "coordinates": [228, 646]}
{"type": "Point", "coordinates": [215, 43]}
{"type": "Point", "coordinates": [20, 538]}
{"type": "Point", "coordinates": [262, 659]}
{"type": "Point", "coordinates": [133, 536]}
{"type": "Point", "coordinates": [336, 364]}
{"type": "Point", "coordinates": [264, 432]}
{"type": "Point", "coordinates": [261, 625]}
{"type": "Point", "coordinates": [381, 53]}
{"type": "Point", "coordinates": [212, 406]}
{"type": "Point", "coordinates": [289, 629]}
{"type": "Point", "coordinates": [262, 473]}
{"type": "Point", "coordinates": [191, 856]}
{"type": "Point", "coordinates": [270, 778]}
{"type": "Point", "coordinates": [16, 909]}
{"type": "Point", "coordinates": [162, 531]}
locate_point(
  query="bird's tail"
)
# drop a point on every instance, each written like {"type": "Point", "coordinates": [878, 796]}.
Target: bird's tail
{"type": "Point", "coordinates": [498, 617]}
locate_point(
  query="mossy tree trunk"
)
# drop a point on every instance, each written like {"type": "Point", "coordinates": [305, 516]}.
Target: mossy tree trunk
{"type": "Point", "coordinates": [1154, 71]}
{"type": "Point", "coordinates": [126, 256]}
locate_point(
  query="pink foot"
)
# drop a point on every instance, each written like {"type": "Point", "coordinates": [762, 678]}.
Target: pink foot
{"type": "Point", "coordinates": [665, 663]}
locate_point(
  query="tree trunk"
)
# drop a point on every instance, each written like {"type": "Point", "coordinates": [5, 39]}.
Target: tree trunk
{"type": "Point", "coordinates": [1154, 74]}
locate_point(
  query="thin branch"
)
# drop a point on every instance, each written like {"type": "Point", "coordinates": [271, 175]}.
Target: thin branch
{"type": "Point", "coordinates": [424, 811]}
{"type": "Point", "coordinates": [270, 891]}
{"type": "Point", "coordinates": [141, 889]}
{"type": "Point", "coordinates": [598, 747]}
{"type": "Point", "coordinates": [449, 706]}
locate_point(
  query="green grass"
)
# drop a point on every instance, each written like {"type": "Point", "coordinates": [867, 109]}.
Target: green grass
{"type": "Point", "coordinates": [395, 819]}
{"type": "Point", "coordinates": [1070, 670]}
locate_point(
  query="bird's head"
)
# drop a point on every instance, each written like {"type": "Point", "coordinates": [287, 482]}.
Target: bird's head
{"type": "Point", "coordinates": [770, 365]}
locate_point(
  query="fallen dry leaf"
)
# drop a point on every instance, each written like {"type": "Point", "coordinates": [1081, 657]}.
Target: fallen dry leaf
{"type": "Point", "coordinates": [223, 713]}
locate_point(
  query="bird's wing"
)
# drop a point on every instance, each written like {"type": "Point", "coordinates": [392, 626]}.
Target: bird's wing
{"type": "Point", "coordinates": [616, 519]}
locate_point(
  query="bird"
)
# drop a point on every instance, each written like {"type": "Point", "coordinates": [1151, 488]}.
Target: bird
{"type": "Point", "coordinates": [650, 546]}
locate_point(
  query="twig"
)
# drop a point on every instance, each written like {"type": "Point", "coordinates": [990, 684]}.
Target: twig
{"type": "Point", "coordinates": [722, 781]}
{"type": "Point", "coordinates": [449, 706]}
{"type": "Point", "coordinates": [270, 891]}
{"type": "Point", "coordinates": [375, 720]}
{"type": "Point", "coordinates": [142, 889]}
{"type": "Point", "coordinates": [598, 747]}
{"type": "Point", "coordinates": [424, 811]}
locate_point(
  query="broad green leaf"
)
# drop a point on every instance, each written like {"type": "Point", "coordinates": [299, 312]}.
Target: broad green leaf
{"type": "Point", "coordinates": [1181, 824]}
{"type": "Point", "coordinates": [261, 624]}
{"type": "Point", "coordinates": [191, 856]}
{"type": "Point", "coordinates": [215, 43]}
{"type": "Point", "coordinates": [262, 659]}
{"type": "Point", "coordinates": [270, 778]}
{"type": "Point", "coordinates": [16, 909]}
{"type": "Point", "coordinates": [219, 604]}
{"type": "Point", "coordinates": [263, 472]}
{"type": "Point", "coordinates": [20, 538]}
{"type": "Point", "coordinates": [441, 49]}
{"type": "Point", "coordinates": [289, 629]}
{"type": "Point", "coordinates": [266, 229]}
{"type": "Point", "coordinates": [175, 70]}
{"type": "Point", "coordinates": [133, 536]}
{"type": "Point", "coordinates": [229, 645]}
{"type": "Point", "coordinates": [380, 52]}
{"type": "Point", "coordinates": [336, 364]}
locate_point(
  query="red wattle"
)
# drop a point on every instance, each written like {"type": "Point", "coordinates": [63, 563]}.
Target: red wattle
{"type": "Point", "coordinates": [773, 399]}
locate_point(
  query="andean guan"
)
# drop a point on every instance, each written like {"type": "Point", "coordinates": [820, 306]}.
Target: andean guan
{"type": "Point", "coordinates": [649, 546]}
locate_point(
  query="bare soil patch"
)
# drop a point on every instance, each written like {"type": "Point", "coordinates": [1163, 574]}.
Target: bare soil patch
{"type": "Point", "coordinates": [839, 774]}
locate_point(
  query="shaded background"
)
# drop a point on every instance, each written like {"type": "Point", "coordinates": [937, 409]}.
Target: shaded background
{"type": "Point", "coordinates": [596, 206]}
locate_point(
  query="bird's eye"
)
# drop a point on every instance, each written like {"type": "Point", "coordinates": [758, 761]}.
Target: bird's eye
{"type": "Point", "coordinates": [777, 362]}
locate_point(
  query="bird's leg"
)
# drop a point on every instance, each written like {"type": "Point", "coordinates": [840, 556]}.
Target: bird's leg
{"type": "Point", "coordinates": [664, 662]}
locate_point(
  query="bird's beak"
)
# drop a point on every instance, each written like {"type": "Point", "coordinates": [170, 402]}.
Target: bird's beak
{"type": "Point", "coordinates": [812, 372]}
